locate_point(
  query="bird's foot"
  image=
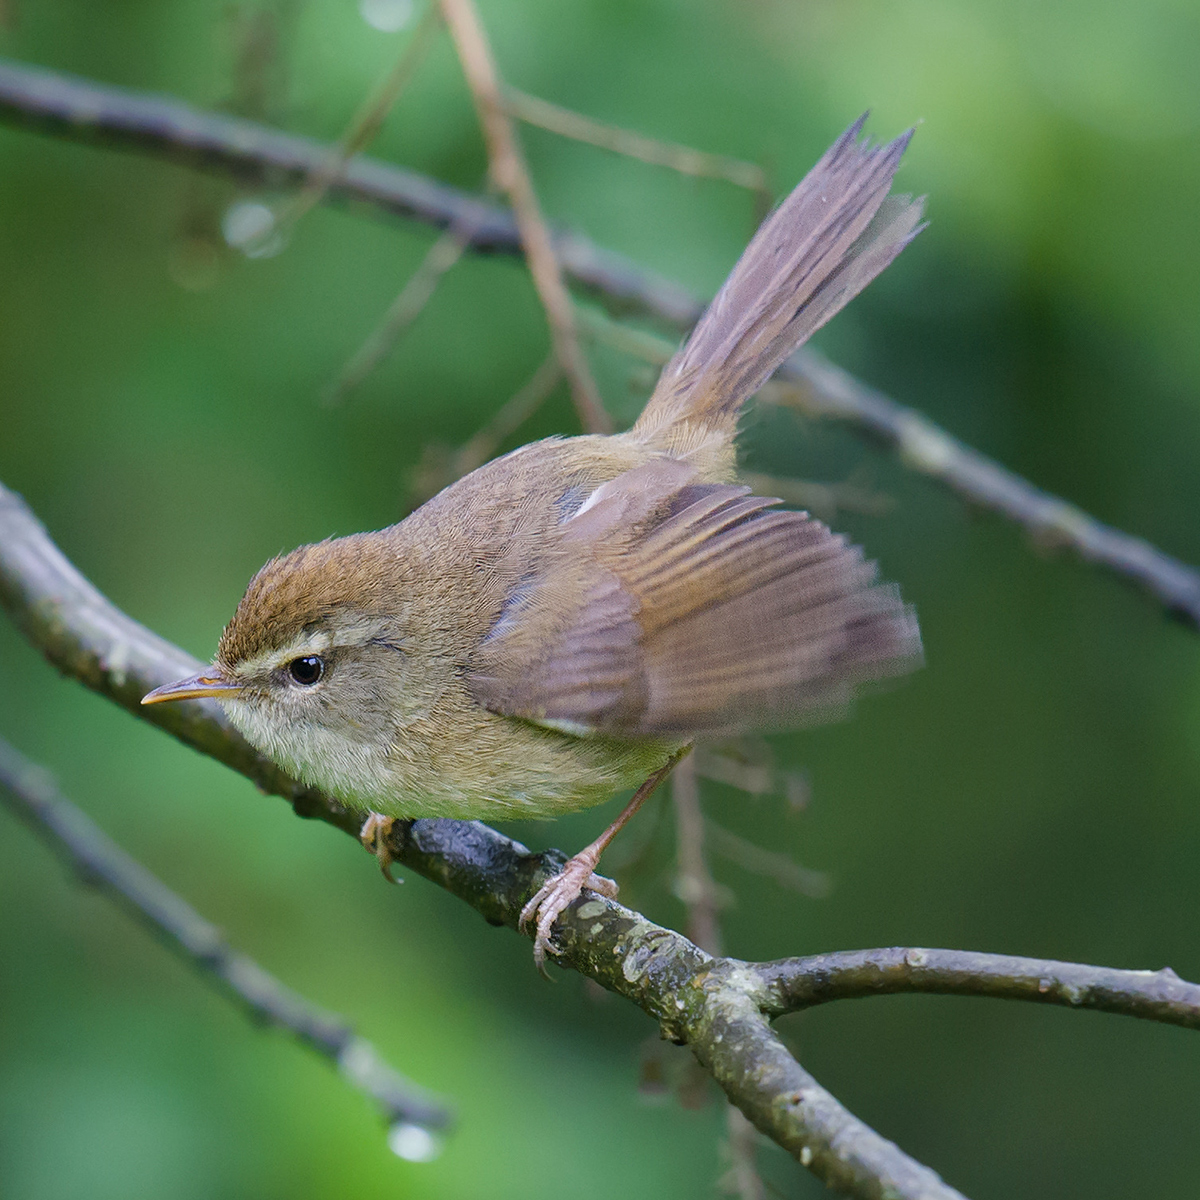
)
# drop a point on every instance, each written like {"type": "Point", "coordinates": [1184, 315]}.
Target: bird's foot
{"type": "Point", "coordinates": [374, 836]}
{"type": "Point", "coordinates": [556, 894]}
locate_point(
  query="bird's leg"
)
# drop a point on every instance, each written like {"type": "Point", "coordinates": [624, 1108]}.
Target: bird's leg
{"type": "Point", "coordinates": [374, 836]}
{"type": "Point", "coordinates": [560, 890]}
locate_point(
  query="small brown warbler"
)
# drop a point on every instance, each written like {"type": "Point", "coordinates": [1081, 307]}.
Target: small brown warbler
{"type": "Point", "coordinates": [562, 623]}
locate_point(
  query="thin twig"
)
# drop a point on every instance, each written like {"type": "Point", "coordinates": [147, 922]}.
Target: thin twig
{"type": "Point", "coordinates": [742, 1179]}
{"type": "Point", "coordinates": [702, 897]}
{"type": "Point", "coordinates": [651, 348]}
{"type": "Point", "coordinates": [364, 125]}
{"type": "Point", "coordinates": [257, 37]}
{"type": "Point", "coordinates": [694, 884]}
{"type": "Point", "coordinates": [753, 778]}
{"type": "Point", "coordinates": [442, 468]}
{"type": "Point", "coordinates": [798, 983]}
{"type": "Point", "coordinates": [511, 176]}
{"type": "Point", "coordinates": [569, 124]}
{"type": "Point", "coordinates": [408, 305]}
{"type": "Point", "coordinates": [825, 390]}
{"type": "Point", "coordinates": [760, 861]}
{"type": "Point", "coordinates": [823, 500]}
{"type": "Point", "coordinates": [746, 764]}
{"type": "Point", "coordinates": [511, 415]}
{"type": "Point", "coordinates": [31, 794]}
{"type": "Point", "coordinates": [82, 110]}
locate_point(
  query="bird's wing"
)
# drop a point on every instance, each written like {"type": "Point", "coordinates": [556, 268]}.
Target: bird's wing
{"type": "Point", "coordinates": [676, 608]}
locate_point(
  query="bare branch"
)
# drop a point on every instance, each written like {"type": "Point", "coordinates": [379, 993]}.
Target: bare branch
{"type": "Point", "coordinates": [511, 176]}
{"type": "Point", "coordinates": [403, 311]}
{"type": "Point", "coordinates": [694, 884]}
{"type": "Point", "coordinates": [813, 385]}
{"type": "Point", "coordinates": [826, 390]}
{"type": "Point", "coordinates": [69, 107]}
{"type": "Point", "coordinates": [760, 861]}
{"type": "Point", "coordinates": [78, 109]}
{"type": "Point", "coordinates": [703, 897]}
{"type": "Point", "coordinates": [569, 124]}
{"type": "Point", "coordinates": [824, 500]}
{"type": "Point", "coordinates": [441, 467]}
{"type": "Point", "coordinates": [509, 417]}
{"type": "Point", "coordinates": [30, 793]}
{"type": "Point", "coordinates": [718, 1007]}
{"type": "Point", "coordinates": [731, 1037]}
{"type": "Point", "coordinates": [798, 983]}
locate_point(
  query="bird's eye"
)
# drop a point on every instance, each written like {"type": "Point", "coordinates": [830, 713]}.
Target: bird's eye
{"type": "Point", "coordinates": [307, 670]}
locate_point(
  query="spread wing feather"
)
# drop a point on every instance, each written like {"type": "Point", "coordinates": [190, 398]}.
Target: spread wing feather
{"type": "Point", "coordinates": [717, 613]}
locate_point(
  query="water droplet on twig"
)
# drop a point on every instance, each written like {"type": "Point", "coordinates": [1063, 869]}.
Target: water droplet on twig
{"type": "Point", "coordinates": [251, 227]}
{"type": "Point", "coordinates": [413, 1143]}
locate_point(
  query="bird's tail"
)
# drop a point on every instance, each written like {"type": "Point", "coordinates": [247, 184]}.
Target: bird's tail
{"type": "Point", "coordinates": [823, 245]}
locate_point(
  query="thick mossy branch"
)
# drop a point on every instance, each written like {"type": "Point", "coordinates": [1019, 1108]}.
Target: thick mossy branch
{"type": "Point", "coordinates": [718, 1007]}
{"type": "Point", "coordinates": [89, 639]}
{"type": "Point", "coordinates": [66, 106]}
{"type": "Point", "coordinates": [730, 1036]}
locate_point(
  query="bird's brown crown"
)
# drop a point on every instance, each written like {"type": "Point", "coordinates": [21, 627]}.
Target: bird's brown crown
{"type": "Point", "coordinates": [306, 589]}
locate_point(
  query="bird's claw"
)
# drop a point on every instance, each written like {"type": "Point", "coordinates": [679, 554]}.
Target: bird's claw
{"type": "Point", "coordinates": [374, 837]}
{"type": "Point", "coordinates": [556, 894]}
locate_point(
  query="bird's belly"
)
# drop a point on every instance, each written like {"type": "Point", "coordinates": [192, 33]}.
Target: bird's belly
{"type": "Point", "coordinates": [531, 773]}
{"type": "Point", "coordinates": [469, 763]}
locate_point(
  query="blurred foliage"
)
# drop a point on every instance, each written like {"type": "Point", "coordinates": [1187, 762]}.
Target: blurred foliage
{"type": "Point", "coordinates": [1033, 790]}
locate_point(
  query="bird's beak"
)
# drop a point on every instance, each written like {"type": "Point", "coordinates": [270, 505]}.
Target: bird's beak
{"type": "Point", "coordinates": [207, 683]}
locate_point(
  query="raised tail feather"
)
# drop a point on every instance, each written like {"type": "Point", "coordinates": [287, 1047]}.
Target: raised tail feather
{"type": "Point", "coordinates": [823, 245]}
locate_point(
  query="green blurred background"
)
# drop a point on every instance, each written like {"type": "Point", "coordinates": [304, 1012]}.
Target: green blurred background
{"type": "Point", "coordinates": [1033, 790]}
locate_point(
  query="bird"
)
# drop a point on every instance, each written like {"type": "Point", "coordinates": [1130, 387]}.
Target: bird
{"type": "Point", "coordinates": [561, 624]}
